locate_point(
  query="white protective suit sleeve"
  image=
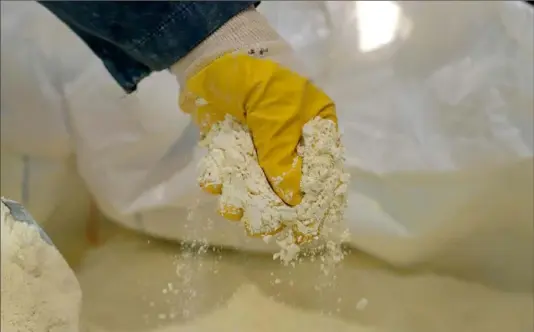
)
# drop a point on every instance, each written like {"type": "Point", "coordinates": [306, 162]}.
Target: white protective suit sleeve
{"type": "Point", "coordinates": [435, 104]}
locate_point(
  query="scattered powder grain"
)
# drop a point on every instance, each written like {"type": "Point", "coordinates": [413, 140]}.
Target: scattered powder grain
{"type": "Point", "coordinates": [39, 291]}
{"type": "Point", "coordinates": [231, 161]}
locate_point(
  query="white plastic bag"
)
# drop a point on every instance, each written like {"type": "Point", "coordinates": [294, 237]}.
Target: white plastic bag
{"type": "Point", "coordinates": [435, 104]}
{"type": "Point", "coordinates": [38, 163]}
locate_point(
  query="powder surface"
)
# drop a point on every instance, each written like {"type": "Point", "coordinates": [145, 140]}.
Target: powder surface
{"type": "Point", "coordinates": [39, 291]}
{"type": "Point", "coordinates": [232, 162]}
{"type": "Point", "coordinates": [250, 310]}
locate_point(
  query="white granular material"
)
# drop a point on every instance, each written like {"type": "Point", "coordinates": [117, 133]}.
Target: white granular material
{"type": "Point", "coordinates": [362, 304]}
{"type": "Point", "coordinates": [39, 291]}
{"type": "Point", "coordinates": [232, 162]}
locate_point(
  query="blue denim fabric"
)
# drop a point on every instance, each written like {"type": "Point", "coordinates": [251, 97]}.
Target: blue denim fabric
{"type": "Point", "coordinates": [134, 38]}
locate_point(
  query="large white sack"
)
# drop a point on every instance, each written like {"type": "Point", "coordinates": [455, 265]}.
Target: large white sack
{"type": "Point", "coordinates": [438, 124]}
{"type": "Point", "coordinates": [37, 161]}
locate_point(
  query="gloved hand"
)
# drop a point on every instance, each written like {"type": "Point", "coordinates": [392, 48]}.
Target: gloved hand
{"type": "Point", "coordinates": [244, 69]}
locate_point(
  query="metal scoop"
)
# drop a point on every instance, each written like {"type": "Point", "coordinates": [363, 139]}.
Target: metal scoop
{"type": "Point", "coordinates": [20, 214]}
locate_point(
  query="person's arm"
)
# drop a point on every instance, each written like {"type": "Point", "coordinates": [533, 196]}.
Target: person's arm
{"type": "Point", "coordinates": [134, 38]}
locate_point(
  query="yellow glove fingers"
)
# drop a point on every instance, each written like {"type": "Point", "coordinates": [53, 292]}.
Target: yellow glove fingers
{"type": "Point", "coordinates": [276, 145]}
{"type": "Point", "coordinates": [230, 206]}
{"type": "Point", "coordinates": [210, 188]}
{"type": "Point", "coordinates": [210, 177]}
{"type": "Point", "coordinates": [279, 108]}
{"type": "Point", "coordinates": [230, 212]}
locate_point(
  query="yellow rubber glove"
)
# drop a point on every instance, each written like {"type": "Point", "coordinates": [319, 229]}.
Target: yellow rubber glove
{"type": "Point", "coordinates": [273, 101]}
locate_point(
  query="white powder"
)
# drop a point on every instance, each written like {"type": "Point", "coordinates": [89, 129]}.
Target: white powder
{"type": "Point", "coordinates": [39, 291]}
{"type": "Point", "coordinates": [250, 310]}
{"type": "Point", "coordinates": [231, 161]}
{"type": "Point", "coordinates": [362, 304]}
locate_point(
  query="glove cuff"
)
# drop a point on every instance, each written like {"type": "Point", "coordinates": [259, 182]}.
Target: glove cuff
{"type": "Point", "coordinates": [248, 31]}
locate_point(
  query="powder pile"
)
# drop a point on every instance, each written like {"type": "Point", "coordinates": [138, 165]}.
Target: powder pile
{"type": "Point", "coordinates": [232, 162]}
{"type": "Point", "coordinates": [39, 291]}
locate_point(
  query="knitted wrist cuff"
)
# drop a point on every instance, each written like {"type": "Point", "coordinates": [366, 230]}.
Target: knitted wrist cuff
{"type": "Point", "coordinates": [248, 31]}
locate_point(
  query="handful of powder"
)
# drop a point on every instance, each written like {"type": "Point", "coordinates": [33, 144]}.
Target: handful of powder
{"type": "Point", "coordinates": [232, 162]}
{"type": "Point", "coordinates": [39, 291]}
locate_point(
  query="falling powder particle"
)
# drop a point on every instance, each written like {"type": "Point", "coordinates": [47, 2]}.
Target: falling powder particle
{"type": "Point", "coordinates": [231, 161]}
{"type": "Point", "coordinates": [362, 304]}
